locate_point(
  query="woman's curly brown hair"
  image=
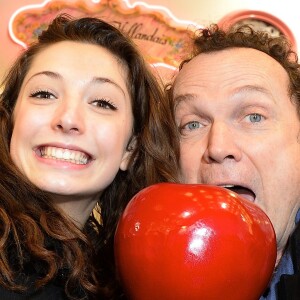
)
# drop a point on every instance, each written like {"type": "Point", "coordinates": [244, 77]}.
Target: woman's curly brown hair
{"type": "Point", "coordinates": [35, 232]}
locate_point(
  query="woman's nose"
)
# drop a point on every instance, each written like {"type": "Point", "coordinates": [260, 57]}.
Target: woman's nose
{"type": "Point", "coordinates": [68, 118]}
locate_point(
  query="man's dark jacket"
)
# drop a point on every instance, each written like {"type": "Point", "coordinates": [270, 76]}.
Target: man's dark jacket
{"type": "Point", "coordinates": [289, 285]}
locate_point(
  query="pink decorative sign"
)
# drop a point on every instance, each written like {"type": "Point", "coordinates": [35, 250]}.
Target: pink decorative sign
{"type": "Point", "coordinates": [162, 38]}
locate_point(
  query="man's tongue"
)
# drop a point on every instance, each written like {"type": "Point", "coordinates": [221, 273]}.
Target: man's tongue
{"type": "Point", "coordinates": [244, 192]}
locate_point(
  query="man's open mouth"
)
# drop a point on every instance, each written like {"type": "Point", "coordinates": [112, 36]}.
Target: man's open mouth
{"type": "Point", "coordinates": [241, 191]}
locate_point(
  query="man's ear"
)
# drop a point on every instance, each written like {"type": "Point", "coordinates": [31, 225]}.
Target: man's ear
{"type": "Point", "coordinates": [127, 155]}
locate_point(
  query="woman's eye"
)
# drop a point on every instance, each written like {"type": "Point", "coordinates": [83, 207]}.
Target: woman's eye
{"type": "Point", "coordinates": [255, 118]}
{"type": "Point", "coordinates": [103, 103]}
{"type": "Point", "coordinates": [42, 95]}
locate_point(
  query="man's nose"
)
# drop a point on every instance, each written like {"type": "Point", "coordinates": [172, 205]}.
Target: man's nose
{"type": "Point", "coordinates": [221, 144]}
{"type": "Point", "coordinates": [68, 118]}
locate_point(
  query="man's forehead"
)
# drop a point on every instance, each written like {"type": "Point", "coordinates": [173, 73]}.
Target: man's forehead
{"type": "Point", "coordinates": [234, 67]}
{"type": "Point", "coordinates": [226, 56]}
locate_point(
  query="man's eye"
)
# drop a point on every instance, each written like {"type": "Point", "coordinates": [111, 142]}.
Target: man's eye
{"type": "Point", "coordinates": [192, 125]}
{"type": "Point", "coordinates": [42, 95]}
{"type": "Point", "coordinates": [255, 118]}
{"type": "Point", "coordinates": [103, 103]}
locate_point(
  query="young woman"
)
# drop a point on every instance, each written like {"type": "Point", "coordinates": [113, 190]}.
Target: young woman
{"type": "Point", "coordinates": [83, 125]}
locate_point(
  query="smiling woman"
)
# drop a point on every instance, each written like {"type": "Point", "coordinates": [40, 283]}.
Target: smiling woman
{"type": "Point", "coordinates": [74, 96]}
{"type": "Point", "coordinates": [84, 126]}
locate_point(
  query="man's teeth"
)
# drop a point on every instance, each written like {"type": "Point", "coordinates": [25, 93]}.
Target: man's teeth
{"type": "Point", "coordinates": [72, 156]}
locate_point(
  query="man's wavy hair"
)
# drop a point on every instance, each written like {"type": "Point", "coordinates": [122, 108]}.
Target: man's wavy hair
{"type": "Point", "coordinates": [213, 38]}
{"type": "Point", "coordinates": [32, 229]}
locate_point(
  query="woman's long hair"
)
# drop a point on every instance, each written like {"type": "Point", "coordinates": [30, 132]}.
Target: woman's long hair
{"type": "Point", "coordinates": [31, 227]}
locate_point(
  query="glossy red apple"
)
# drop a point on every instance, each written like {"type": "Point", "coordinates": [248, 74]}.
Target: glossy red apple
{"type": "Point", "coordinates": [178, 241]}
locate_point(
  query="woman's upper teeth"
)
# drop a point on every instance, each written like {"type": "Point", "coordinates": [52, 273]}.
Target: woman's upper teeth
{"type": "Point", "coordinates": [72, 156]}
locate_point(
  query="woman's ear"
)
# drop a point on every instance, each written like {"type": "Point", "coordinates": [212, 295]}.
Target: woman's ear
{"type": "Point", "coordinates": [127, 155]}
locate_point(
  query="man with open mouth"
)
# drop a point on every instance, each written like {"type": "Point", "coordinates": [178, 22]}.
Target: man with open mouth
{"type": "Point", "coordinates": [236, 104]}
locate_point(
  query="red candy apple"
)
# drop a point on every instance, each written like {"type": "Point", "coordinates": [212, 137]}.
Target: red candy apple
{"type": "Point", "coordinates": [179, 241]}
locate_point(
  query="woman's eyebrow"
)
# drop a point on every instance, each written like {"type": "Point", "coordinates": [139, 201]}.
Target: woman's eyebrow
{"type": "Point", "coordinates": [46, 73]}
{"type": "Point", "coordinates": [107, 80]}
{"type": "Point", "coordinates": [56, 75]}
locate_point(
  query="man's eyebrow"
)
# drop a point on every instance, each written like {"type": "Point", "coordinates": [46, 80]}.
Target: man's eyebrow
{"type": "Point", "coordinates": [258, 89]}
{"type": "Point", "coordinates": [184, 98]}
{"type": "Point", "coordinates": [252, 88]}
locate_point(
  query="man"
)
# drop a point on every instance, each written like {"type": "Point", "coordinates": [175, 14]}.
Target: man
{"type": "Point", "coordinates": [237, 106]}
